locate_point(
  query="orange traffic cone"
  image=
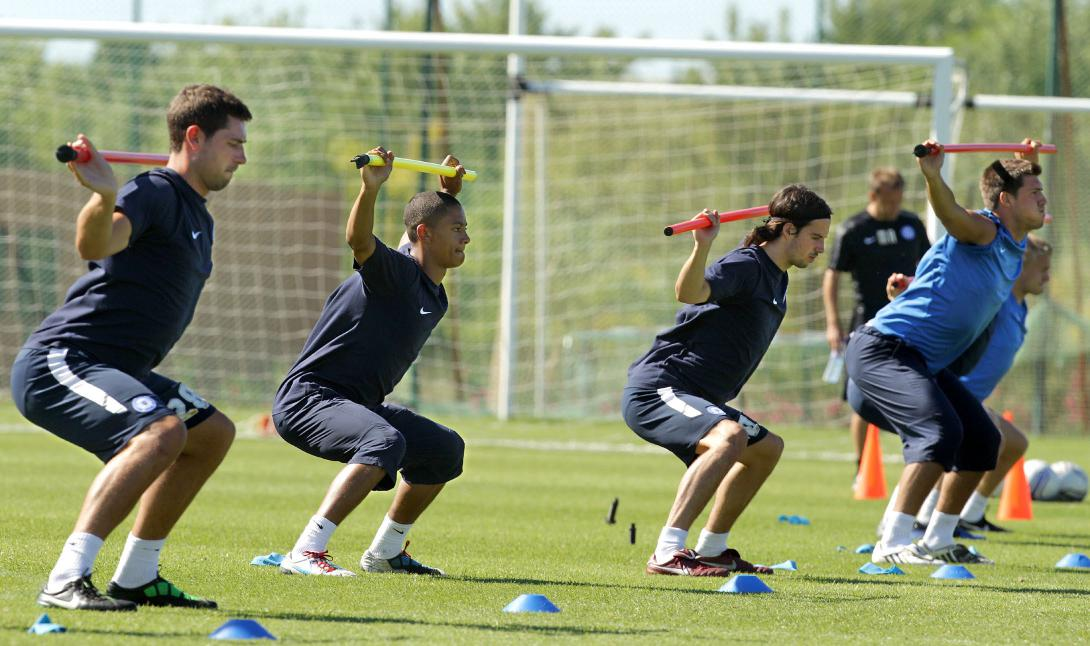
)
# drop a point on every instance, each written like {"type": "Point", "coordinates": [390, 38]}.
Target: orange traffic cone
{"type": "Point", "coordinates": [870, 482]}
{"type": "Point", "coordinates": [1015, 503]}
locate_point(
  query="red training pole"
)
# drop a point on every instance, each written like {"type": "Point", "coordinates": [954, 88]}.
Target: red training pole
{"type": "Point", "coordinates": [923, 151]}
{"type": "Point", "coordinates": [81, 155]}
{"type": "Point", "coordinates": [727, 216]}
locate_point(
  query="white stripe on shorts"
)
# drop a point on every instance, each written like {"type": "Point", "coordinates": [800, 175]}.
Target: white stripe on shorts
{"type": "Point", "coordinates": [65, 377]}
{"type": "Point", "coordinates": [670, 399]}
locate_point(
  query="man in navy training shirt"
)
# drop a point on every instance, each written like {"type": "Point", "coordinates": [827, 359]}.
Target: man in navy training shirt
{"type": "Point", "coordinates": [86, 376]}
{"type": "Point", "coordinates": [1001, 342]}
{"type": "Point", "coordinates": [331, 404]}
{"type": "Point", "coordinates": [878, 241]}
{"type": "Point", "coordinates": [898, 362]}
{"type": "Point", "coordinates": [677, 392]}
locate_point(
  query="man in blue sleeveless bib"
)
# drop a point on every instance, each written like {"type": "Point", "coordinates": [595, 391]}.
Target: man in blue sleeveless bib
{"type": "Point", "coordinates": [898, 362]}
{"type": "Point", "coordinates": [332, 402]}
{"type": "Point", "coordinates": [86, 375]}
{"type": "Point", "coordinates": [677, 392]}
{"type": "Point", "coordinates": [982, 367]}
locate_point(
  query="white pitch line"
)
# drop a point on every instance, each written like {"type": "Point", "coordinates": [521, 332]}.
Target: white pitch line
{"type": "Point", "coordinates": [572, 446]}
{"type": "Point", "coordinates": [618, 447]}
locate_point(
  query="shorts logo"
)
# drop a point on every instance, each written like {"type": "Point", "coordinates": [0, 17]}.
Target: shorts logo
{"type": "Point", "coordinates": [752, 428]}
{"type": "Point", "coordinates": [715, 410]}
{"type": "Point", "coordinates": [143, 404]}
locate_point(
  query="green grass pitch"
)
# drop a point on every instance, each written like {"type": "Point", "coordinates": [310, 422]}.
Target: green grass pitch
{"type": "Point", "coordinates": [527, 516]}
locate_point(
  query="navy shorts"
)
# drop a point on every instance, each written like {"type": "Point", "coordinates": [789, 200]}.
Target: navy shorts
{"type": "Point", "coordinates": [677, 420]}
{"type": "Point", "coordinates": [938, 419]}
{"type": "Point", "coordinates": [94, 405]}
{"type": "Point", "coordinates": [325, 423]}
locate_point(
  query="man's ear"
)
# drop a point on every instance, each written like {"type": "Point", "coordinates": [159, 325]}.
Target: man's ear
{"type": "Point", "coordinates": [422, 232]}
{"type": "Point", "coordinates": [789, 228]}
{"type": "Point", "coordinates": [194, 137]}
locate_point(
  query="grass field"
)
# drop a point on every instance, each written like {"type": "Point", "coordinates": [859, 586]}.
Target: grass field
{"type": "Point", "coordinates": [528, 516]}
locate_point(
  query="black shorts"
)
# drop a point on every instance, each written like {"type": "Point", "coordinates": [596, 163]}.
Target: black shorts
{"type": "Point", "coordinates": [677, 420]}
{"type": "Point", "coordinates": [938, 419]}
{"type": "Point", "coordinates": [326, 424]}
{"type": "Point", "coordinates": [94, 405]}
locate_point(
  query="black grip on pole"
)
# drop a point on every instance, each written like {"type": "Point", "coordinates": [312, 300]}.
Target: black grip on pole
{"type": "Point", "coordinates": [921, 150]}
{"type": "Point", "coordinates": [668, 231]}
{"type": "Point", "coordinates": [632, 534]}
{"type": "Point", "coordinates": [66, 154]}
{"type": "Point", "coordinates": [360, 160]}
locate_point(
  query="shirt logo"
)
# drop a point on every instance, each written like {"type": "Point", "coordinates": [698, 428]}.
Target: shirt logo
{"type": "Point", "coordinates": [908, 233]}
{"type": "Point", "coordinates": [869, 240]}
{"type": "Point", "coordinates": [886, 236]}
{"type": "Point", "coordinates": [196, 234]}
{"type": "Point", "coordinates": [423, 312]}
{"type": "Point", "coordinates": [143, 404]}
{"type": "Point", "coordinates": [715, 410]}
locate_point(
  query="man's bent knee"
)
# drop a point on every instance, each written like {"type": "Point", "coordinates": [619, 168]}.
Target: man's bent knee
{"type": "Point", "coordinates": [161, 441]}
{"type": "Point", "coordinates": [726, 436]}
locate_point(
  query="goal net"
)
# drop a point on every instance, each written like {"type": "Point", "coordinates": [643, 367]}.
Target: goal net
{"type": "Point", "coordinates": [606, 161]}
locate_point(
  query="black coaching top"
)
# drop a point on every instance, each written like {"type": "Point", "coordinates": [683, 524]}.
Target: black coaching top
{"type": "Point", "coordinates": [870, 250]}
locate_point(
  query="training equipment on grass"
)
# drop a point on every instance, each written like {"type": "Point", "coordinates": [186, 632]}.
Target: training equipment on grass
{"type": "Point", "coordinates": [1072, 560]}
{"type": "Point", "coordinates": [1016, 501]}
{"type": "Point", "coordinates": [922, 150]}
{"type": "Point", "coordinates": [44, 625]}
{"type": "Point", "coordinates": [531, 603]}
{"type": "Point", "coordinates": [870, 482]}
{"type": "Point", "coordinates": [745, 584]}
{"type": "Point", "coordinates": [1043, 483]}
{"type": "Point", "coordinates": [789, 565]}
{"type": "Point", "coordinates": [1071, 480]}
{"type": "Point", "coordinates": [793, 519]}
{"type": "Point", "coordinates": [611, 517]}
{"type": "Point", "coordinates": [725, 216]}
{"type": "Point", "coordinates": [363, 159]}
{"type": "Point", "coordinates": [874, 568]}
{"type": "Point", "coordinates": [952, 572]}
{"type": "Point", "coordinates": [241, 629]}
{"type": "Point", "coordinates": [272, 559]}
{"type": "Point", "coordinates": [632, 534]}
{"type": "Point", "coordinates": [82, 155]}
{"type": "Point", "coordinates": [865, 548]}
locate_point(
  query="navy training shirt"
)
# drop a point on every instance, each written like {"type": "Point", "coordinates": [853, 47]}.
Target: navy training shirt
{"type": "Point", "coordinates": [130, 308]}
{"type": "Point", "coordinates": [715, 346]}
{"type": "Point", "coordinates": [371, 329]}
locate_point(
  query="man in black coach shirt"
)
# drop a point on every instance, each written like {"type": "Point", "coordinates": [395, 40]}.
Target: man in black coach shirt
{"type": "Point", "coordinates": [86, 376]}
{"type": "Point", "coordinates": [878, 241]}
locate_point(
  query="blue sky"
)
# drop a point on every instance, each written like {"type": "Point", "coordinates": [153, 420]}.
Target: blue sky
{"type": "Point", "coordinates": [658, 18]}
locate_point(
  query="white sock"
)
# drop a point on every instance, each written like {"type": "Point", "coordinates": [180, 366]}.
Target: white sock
{"type": "Point", "coordinates": [940, 531]}
{"type": "Point", "coordinates": [973, 511]}
{"type": "Point", "coordinates": [389, 539]}
{"type": "Point", "coordinates": [889, 510]}
{"type": "Point", "coordinates": [711, 544]}
{"type": "Point", "coordinates": [76, 560]}
{"type": "Point", "coordinates": [139, 562]}
{"type": "Point", "coordinates": [671, 539]}
{"type": "Point", "coordinates": [315, 536]}
{"type": "Point", "coordinates": [928, 507]}
{"type": "Point", "coordinates": [898, 530]}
